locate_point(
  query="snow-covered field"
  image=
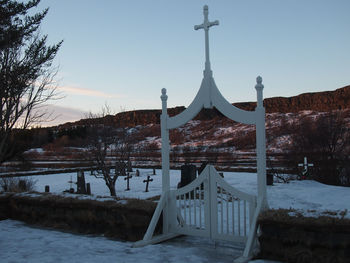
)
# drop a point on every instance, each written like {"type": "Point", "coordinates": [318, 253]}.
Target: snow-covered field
{"type": "Point", "coordinates": [308, 196]}
{"type": "Point", "coordinates": [22, 243]}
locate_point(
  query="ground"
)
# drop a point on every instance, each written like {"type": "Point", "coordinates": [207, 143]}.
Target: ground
{"type": "Point", "coordinates": [308, 196]}
{"type": "Point", "coordinates": [22, 243]}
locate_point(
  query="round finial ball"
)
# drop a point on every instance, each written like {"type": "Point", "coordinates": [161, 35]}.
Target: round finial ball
{"type": "Point", "coordinates": [205, 7]}
{"type": "Point", "coordinates": [163, 91]}
{"type": "Point", "coordinates": [259, 80]}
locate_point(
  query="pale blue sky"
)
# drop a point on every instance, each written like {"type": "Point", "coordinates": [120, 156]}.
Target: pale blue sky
{"type": "Point", "coordinates": [123, 52]}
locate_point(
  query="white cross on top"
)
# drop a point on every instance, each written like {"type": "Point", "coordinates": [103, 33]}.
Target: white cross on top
{"type": "Point", "coordinates": [206, 24]}
{"type": "Point", "coordinates": [305, 165]}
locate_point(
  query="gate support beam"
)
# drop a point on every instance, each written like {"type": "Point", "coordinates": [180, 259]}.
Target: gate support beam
{"type": "Point", "coordinates": [165, 159]}
{"type": "Point", "coordinates": [260, 143]}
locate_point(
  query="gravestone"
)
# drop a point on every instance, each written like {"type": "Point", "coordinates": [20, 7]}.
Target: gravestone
{"type": "Point", "coordinates": [188, 174]}
{"type": "Point", "coordinates": [147, 182]}
{"type": "Point", "coordinates": [269, 179]}
{"type": "Point", "coordinates": [154, 171]}
{"type": "Point", "coordinates": [137, 173]}
{"type": "Point", "coordinates": [127, 178]}
{"type": "Point", "coordinates": [88, 189]}
{"type": "Point", "coordinates": [47, 189]}
{"type": "Point", "coordinates": [81, 183]}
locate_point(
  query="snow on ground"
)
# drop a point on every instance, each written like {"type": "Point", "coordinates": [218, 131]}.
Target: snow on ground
{"type": "Point", "coordinates": [59, 183]}
{"type": "Point", "coordinates": [22, 243]}
{"type": "Point", "coordinates": [304, 195]}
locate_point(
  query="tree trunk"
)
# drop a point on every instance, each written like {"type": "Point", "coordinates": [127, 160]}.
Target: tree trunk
{"type": "Point", "coordinates": [112, 190]}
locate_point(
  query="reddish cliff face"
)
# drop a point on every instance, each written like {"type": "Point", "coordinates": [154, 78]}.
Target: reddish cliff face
{"type": "Point", "coordinates": [317, 101]}
{"type": "Point", "coordinates": [143, 117]}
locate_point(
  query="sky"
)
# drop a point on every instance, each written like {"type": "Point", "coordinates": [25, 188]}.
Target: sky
{"type": "Point", "coordinates": [122, 53]}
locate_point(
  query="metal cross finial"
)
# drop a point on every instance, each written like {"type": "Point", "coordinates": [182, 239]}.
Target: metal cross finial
{"type": "Point", "coordinates": [206, 24]}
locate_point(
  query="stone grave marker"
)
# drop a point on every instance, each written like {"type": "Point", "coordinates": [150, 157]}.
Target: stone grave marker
{"type": "Point", "coordinates": [127, 178]}
{"type": "Point", "coordinates": [188, 174]}
{"type": "Point", "coordinates": [70, 182]}
{"type": "Point", "coordinates": [269, 179]}
{"type": "Point", "coordinates": [47, 189]}
{"type": "Point", "coordinates": [81, 182]}
{"type": "Point", "coordinates": [147, 182]}
{"type": "Point", "coordinates": [154, 171]}
{"type": "Point", "coordinates": [88, 189]}
{"type": "Point", "coordinates": [137, 173]}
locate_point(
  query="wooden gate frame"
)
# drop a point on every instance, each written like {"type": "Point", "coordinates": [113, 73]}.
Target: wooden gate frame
{"type": "Point", "coordinates": [208, 97]}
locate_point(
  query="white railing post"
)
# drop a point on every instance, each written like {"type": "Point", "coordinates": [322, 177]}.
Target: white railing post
{"type": "Point", "coordinates": [165, 158]}
{"type": "Point", "coordinates": [260, 142]}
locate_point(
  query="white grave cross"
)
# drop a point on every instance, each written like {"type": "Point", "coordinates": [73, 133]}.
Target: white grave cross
{"type": "Point", "coordinates": [206, 24]}
{"type": "Point", "coordinates": [305, 165]}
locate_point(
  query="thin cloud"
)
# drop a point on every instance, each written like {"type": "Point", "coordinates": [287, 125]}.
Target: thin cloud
{"type": "Point", "coordinates": [88, 92]}
{"type": "Point", "coordinates": [61, 114]}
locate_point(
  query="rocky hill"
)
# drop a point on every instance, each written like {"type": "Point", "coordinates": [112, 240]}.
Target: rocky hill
{"type": "Point", "coordinates": [209, 137]}
{"type": "Point", "coordinates": [316, 101]}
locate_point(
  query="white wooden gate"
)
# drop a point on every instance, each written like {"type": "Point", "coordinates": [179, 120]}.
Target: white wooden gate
{"type": "Point", "coordinates": [210, 207]}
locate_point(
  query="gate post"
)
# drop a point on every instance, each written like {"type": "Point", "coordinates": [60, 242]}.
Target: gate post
{"type": "Point", "coordinates": [260, 143]}
{"type": "Point", "coordinates": [165, 159]}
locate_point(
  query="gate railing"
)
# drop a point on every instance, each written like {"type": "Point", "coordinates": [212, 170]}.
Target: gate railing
{"type": "Point", "coordinates": [190, 205]}
{"type": "Point", "coordinates": [231, 210]}
{"type": "Point", "coordinates": [211, 207]}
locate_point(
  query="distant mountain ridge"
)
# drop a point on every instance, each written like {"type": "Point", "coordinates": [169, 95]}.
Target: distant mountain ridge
{"type": "Point", "coordinates": [338, 99]}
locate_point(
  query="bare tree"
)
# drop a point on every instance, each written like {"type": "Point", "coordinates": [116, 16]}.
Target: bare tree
{"type": "Point", "coordinates": [325, 141]}
{"type": "Point", "coordinates": [109, 148]}
{"type": "Point", "coordinates": [26, 72]}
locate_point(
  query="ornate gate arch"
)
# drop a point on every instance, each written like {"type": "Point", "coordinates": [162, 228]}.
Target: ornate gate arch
{"type": "Point", "coordinates": [205, 206]}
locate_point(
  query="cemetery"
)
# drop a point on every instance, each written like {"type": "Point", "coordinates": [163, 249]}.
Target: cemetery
{"type": "Point", "coordinates": [253, 214]}
{"type": "Point", "coordinates": [303, 204]}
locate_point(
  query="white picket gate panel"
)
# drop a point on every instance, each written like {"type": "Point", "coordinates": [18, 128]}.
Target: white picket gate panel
{"type": "Point", "coordinates": [210, 207]}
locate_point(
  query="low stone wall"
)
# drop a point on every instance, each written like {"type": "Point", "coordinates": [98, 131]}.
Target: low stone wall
{"type": "Point", "coordinates": [303, 239]}
{"type": "Point", "coordinates": [122, 219]}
